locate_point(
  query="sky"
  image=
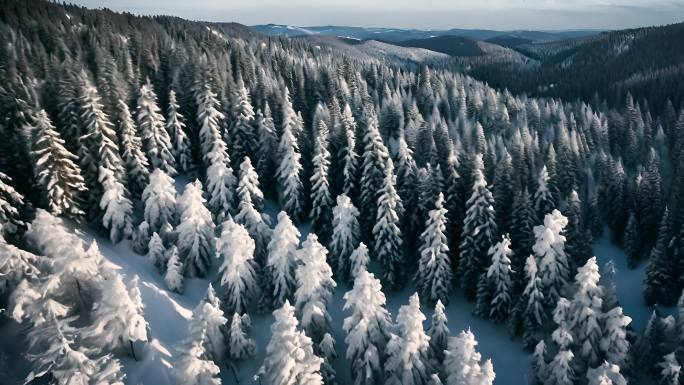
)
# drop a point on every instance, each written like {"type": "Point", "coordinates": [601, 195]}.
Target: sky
{"type": "Point", "coordinates": [422, 14]}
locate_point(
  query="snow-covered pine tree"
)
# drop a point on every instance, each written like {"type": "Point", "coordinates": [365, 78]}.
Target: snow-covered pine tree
{"type": "Point", "coordinates": [193, 367]}
{"type": "Point", "coordinates": [463, 364]}
{"type": "Point", "coordinates": [11, 203]}
{"type": "Point", "coordinates": [289, 172]}
{"type": "Point", "coordinates": [434, 274]}
{"type": "Point", "coordinates": [387, 241]}
{"type": "Point", "coordinates": [180, 142]}
{"type": "Point", "coordinates": [281, 261]}
{"type": "Point", "coordinates": [195, 231]}
{"type": "Point", "coordinates": [479, 230]}
{"type": "Point", "coordinates": [367, 329]}
{"type": "Point", "coordinates": [243, 140]}
{"type": "Point", "coordinates": [239, 346]}
{"type": "Point", "coordinates": [134, 159]}
{"type": "Point", "coordinates": [116, 207]}
{"type": "Point", "coordinates": [498, 278]}
{"type": "Point", "coordinates": [606, 374]}
{"type": "Point", "coordinates": [238, 270]}
{"type": "Point", "coordinates": [118, 320]}
{"type": "Point", "coordinates": [586, 314]}
{"type": "Point", "coordinates": [630, 240]}
{"type": "Point", "coordinates": [579, 242]}
{"type": "Point", "coordinates": [266, 151]}
{"type": "Point", "coordinates": [614, 343]}
{"type": "Point", "coordinates": [347, 157]}
{"type": "Point", "coordinates": [438, 333]}
{"type": "Point", "coordinates": [157, 252]}
{"type": "Point", "coordinates": [55, 169]}
{"type": "Point", "coordinates": [321, 199]}
{"type": "Point", "coordinates": [359, 260]}
{"type": "Point", "coordinates": [670, 370]}
{"type": "Point", "coordinates": [345, 237]}
{"type": "Point", "coordinates": [140, 239]}
{"type": "Point", "coordinates": [504, 193]}
{"type": "Point", "coordinates": [248, 185]}
{"type": "Point", "coordinates": [551, 258]}
{"type": "Point", "coordinates": [160, 201]}
{"type": "Point", "coordinates": [314, 288]}
{"type": "Point", "coordinates": [523, 220]}
{"type": "Point", "coordinates": [173, 278]}
{"type": "Point", "coordinates": [649, 201]}
{"type": "Point", "coordinates": [220, 181]}
{"type": "Point", "coordinates": [290, 358]}
{"type": "Point", "coordinates": [543, 198]}
{"type": "Point", "coordinates": [156, 141]}
{"type": "Point", "coordinates": [539, 363]}
{"type": "Point", "coordinates": [407, 351]}
{"type": "Point", "coordinates": [531, 305]}
{"type": "Point", "coordinates": [560, 371]}
{"type": "Point", "coordinates": [562, 335]}
{"type": "Point", "coordinates": [256, 226]}
{"type": "Point", "coordinates": [660, 283]}
{"type": "Point", "coordinates": [327, 351]}
{"type": "Point", "coordinates": [373, 176]}
{"type": "Point", "coordinates": [208, 325]}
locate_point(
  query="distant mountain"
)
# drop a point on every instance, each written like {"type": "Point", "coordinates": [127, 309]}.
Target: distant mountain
{"type": "Point", "coordinates": [399, 35]}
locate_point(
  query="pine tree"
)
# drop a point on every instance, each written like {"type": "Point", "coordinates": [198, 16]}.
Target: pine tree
{"type": "Point", "coordinates": [281, 260]}
{"type": "Point", "coordinates": [55, 169]}
{"type": "Point", "coordinates": [373, 176]}
{"type": "Point", "coordinates": [614, 343]}
{"type": "Point", "coordinates": [118, 320]}
{"type": "Point", "coordinates": [670, 370]}
{"type": "Point", "coordinates": [560, 370]}
{"type": "Point", "coordinates": [116, 206]}
{"type": "Point", "coordinates": [238, 271]}
{"type": "Point", "coordinates": [551, 258]}
{"type": "Point", "coordinates": [328, 352]}
{"type": "Point", "coordinates": [661, 274]}
{"type": "Point", "coordinates": [606, 374]}
{"type": "Point", "coordinates": [173, 278]}
{"type": "Point", "coordinates": [194, 368]}
{"type": "Point", "coordinates": [463, 364]}
{"type": "Point", "coordinates": [11, 203]}
{"type": "Point", "coordinates": [243, 138]}
{"type": "Point", "coordinates": [578, 240]}
{"type": "Point", "coordinates": [544, 200]}
{"type": "Point", "coordinates": [631, 240]}
{"type": "Point", "coordinates": [504, 193]}
{"type": "Point", "coordinates": [156, 141]}
{"type": "Point", "coordinates": [289, 172]}
{"type": "Point", "coordinates": [290, 358]}
{"type": "Point", "coordinates": [321, 200]}
{"type": "Point", "coordinates": [498, 279]}
{"type": "Point", "coordinates": [587, 313]}
{"type": "Point", "coordinates": [140, 239]}
{"type": "Point", "coordinates": [359, 260]}
{"type": "Point", "coordinates": [367, 329]}
{"type": "Point", "coordinates": [16, 265]}
{"type": "Point", "coordinates": [649, 201]}
{"type": "Point", "coordinates": [240, 347]}
{"type": "Point", "coordinates": [531, 304]}
{"type": "Point", "coordinates": [195, 232]}
{"type": "Point", "coordinates": [407, 351]}
{"type": "Point", "coordinates": [347, 157]}
{"type": "Point", "coordinates": [345, 237]}
{"type": "Point", "coordinates": [539, 363]}
{"type": "Point", "coordinates": [438, 333]}
{"type": "Point", "coordinates": [434, 274]}
{"type": "Point", "coordinates": [248, 185]}
{"type": "Point", "coordinates": [134, 159]}
{"type": "Point", "coordinates": [180, 142]}
{"type": "Point", "coordinates": [208, 325]}
{"type": "Point", "coordinates": [266, 150]}
{"type": "Point", "coordinates": [479, 230]}
{"type": "Point", "coordinates": [387, 241]}
{"type": "Point", "coordinates": [256, 226]}
{"type": "Point", "coordinates": [157, 252]}
{"type": "Point", "coordinates": [160, 201]}
{"type": "Point", "coordinates": [314, 288]}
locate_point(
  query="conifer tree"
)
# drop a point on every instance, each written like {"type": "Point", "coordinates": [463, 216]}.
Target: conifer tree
{"type": "Point", "coordinates": [238, 271]}
{"type": "Point", "coordinates": [248, 185]}
{"type": "Point", "coordinates": [314, 288]}
{"type": "Point", "coordinates": [649, 201]}
{"type": "Point", "coordinates": [160, 201]}
{"type": "Point", "coordinates": [134, 159]}
{"type": "Point", "coordinates": [347, 157]}
{"type": "Point", "coordinates": [156, 141]}
{"type": "Point", "coordinates": [321, 200]}
{"type": "Point", "coordinates": [479, 230]}
{"type": "Point", "coordinates": [551, 258]}
{"type": "Point", "coordinates": [606, 374]}
{"type": "Point", "coordinates": [498, 279]}
{"type": "Point", "coordinates": [10, 204]}
{"type": "Point", "coordinates": [523, 219]}
{"type": "Point", "coordinates": [367, 329]}
{"type": "Point", "coordinates": [539, 363]}
{"type": "Point", "coordinates": [328, 353]}
{"type": "Point", "coordinates": [193, 367]}
{"type": "Point", "coordinates": [157, 253]}
{"type": "Point", "coordinates": [463, 364]}
{"type": "Point", "coordinates": [670, 370]}
{"type": "Point", "coordinates": [587, 313]}
{"type": "Point", "coordinates": [140, 239]}
{"type": "Point", "coordinates": [614, 343]}
{"type": "Point", "coordinates": [544, 200]}
{"type": "Point", "coordinates": [195, 232]}
{"type": "Point", "coordinates": [438, 333]}
{"type": "Point", "coordinates": [208, 325]}
{"type": "Point", "coordinates": [631, 241]}
{"type": "Point", "coordinates": [242, 131]}
{"type": "Point", "coordinates": [289, 172]}
{"type": "Point", "coordinates": [55, 170]}
{"type": "Point", "coordinates": [256, 225]}
{"type": "Point", "coordinates": [373, 175]}
{"type": "Point", "coordinates": [578, 240]}
{"type": "Point", "coordinates": [290, 358]}
{"type": "Point", "coordinates": [531, 304]}
{"type": "Point", "coordinates": [173, 278]}
{"type": "Point", "coordinates": [281, 260]}
{"type": "Point", "coordinates": [345, 236]}
{"type": "Point", "coordinates": [504, 194]}
{"type": "Point", "coordinates": [266, 151]}
{"type": "Point", "coordinates": [560, 370]}
{"type": "Point", "coordinates": [407, 351]}
{"type": "Point", "coordinates": [387, 241]}
{"type": "Point", "coordinates": [660, 283]}
{"type": "Point", "coordinates": [434, 274]}
{"type": "Point", "coordinates": [117, 209]}
{"type": "Point", "coordinates": [180, 142]}
{"type": "Point", "coordinates": [359, 260]}
{"type": "Point", "coordinates": [239, 346]}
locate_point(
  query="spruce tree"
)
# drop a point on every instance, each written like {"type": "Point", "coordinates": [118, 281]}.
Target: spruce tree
{"type": "Point", "coordinates": [551, 258]}
{"type": "Point", "coordinates": [173, 278]}
{"type": "Point", "coordinates": [134, 159]}
{"type": "Point", "coordinates": [434, 274]}
{"type": "Point", "coordinates": [239, 346]}
{"type": "Point", "coordinates": [660, 283]}
{"type": "Point", "coordinates": [281, 261]}
{"type": "Point", "coordinates": [498, 278]}
{"type": "Point", "coordinates": [544, 200]}
{"type": "Point", "coordinates": [160, 201]}
{"type": "Point", "coordinates": [11, 202]}
{"type": "Point", "coordinates": [289, 172]}
{"type": "Point", "coordinates": [242, 129]}
{"type": "Point", "coordinates": [586, 314]}
{"type": "Point", "coordinates": [117, 208]}
{"type": "Point", "coordinates": [344, 238]}
{"type": "Point", "coordinates": [180, 142]}
{"type": "Point", "coordinates": [248, 185]}
{"type": "Point", "coordinates": [321, 199]}
{"type": "Point", "coordinates": [387, 241]}
{"type": "Point", "coordinates": [438, 333]}
{"type": "Point", "coordinates": [463, 364]}
{"type": "Point", "coordinates": [195, 231]}
{"type": "Point", "coordinates": [157, 252]}
{"type": "Point", "coordinates": [156, 141]}
{"type": "Point", "coordinates": [373, 176]}
{"type": "Point", "coordinates": [56, 171]}
{"type": "Point", "coordinates": [239, 269]}
{"type": "Point", "coordinates": [266, 151]}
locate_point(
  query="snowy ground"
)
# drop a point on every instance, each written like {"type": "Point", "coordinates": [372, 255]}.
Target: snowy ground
{"type": "Point", "coordinates": [167, 314]}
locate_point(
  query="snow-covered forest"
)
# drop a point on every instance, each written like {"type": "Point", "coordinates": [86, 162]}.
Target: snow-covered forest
{"type": "Point", "coordinates": [195, 203]}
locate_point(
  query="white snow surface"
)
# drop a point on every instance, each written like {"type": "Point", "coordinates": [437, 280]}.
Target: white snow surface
{"type": "Point", "coordinates": [168, 313]}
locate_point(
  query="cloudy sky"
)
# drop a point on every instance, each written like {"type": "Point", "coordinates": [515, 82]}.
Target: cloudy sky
{"type": "Point", "coordinates": [436, 14]}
